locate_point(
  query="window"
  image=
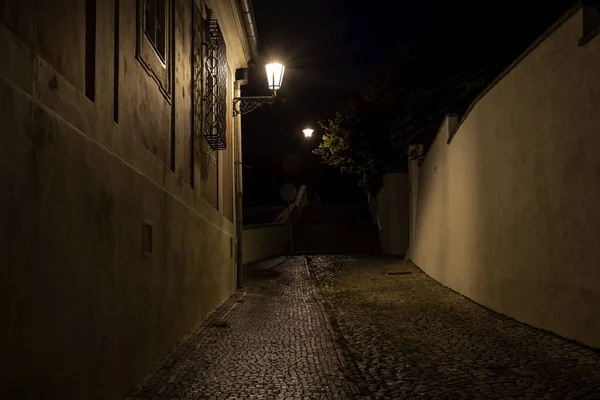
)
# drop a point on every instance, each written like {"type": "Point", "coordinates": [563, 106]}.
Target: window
{"type": "Point", "coordinates": [215, 86]}
{"type": "Point", "coordinates": [154, 41]}
{"type": "Point", "coordinates": [155, 25]}
{"type": "Point", "coordinates": [209, 74]}
{"type": "Point", "coordinates": [210, 81]}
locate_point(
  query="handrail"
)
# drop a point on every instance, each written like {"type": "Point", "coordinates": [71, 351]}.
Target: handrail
{"type": "Point", "coordinates": [282, 217]}
{"type": "Point", "coordinates": [375, 207]}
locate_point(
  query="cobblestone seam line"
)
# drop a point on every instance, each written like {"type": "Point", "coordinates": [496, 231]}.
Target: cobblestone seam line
{"type": "Point", "coordinates": [270, 341]}
{"type": "Point", "coordinates": [351, 370]}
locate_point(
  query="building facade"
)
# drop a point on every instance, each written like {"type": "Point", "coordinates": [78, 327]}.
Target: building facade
{"type": "Point", "coordinates": [117, 200]}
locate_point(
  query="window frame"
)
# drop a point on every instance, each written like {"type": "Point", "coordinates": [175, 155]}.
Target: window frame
{"type": "Point", "coordinates": [154, 36]}
{"type": "Point", "coordinates": [158, 66]}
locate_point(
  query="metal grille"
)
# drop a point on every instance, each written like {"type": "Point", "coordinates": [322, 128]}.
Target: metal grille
{"type": "Point", "coordinates": [197, 74]}
{"type": "Point", "coordinates": [204, 108]}
{"type": "Point", "coordinates": [215, 99]}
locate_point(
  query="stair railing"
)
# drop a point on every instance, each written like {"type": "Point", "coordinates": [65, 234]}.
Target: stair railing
{"type": "Point", "coordinates": [378, 219]}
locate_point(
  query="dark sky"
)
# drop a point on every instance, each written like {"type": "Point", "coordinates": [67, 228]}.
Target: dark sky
{"type": "Point", "coordinates": [333, 47]}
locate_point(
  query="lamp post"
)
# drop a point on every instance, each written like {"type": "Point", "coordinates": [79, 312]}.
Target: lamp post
{"type": "Point", "coordinates": [246, 104]}
{"type": "Point", "coordinates": [308, 135]}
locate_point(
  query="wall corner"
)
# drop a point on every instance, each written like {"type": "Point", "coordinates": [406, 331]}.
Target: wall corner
{"type": "Point", "coordinates": [451, 122]}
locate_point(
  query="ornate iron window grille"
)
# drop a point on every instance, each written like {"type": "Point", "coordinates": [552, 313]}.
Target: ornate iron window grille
{"type": "Point", "coordinates": [214, 98]}
{"type": "Point", "coordinates": [197, 66]}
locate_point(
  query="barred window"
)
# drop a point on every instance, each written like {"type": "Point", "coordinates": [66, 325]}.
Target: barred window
{"type": "Point", "coordinates": [210, 80]}
{"type": "Point", "coordinates": [209, 100]}
{"type": "Point", "coordinates": [214, 89]}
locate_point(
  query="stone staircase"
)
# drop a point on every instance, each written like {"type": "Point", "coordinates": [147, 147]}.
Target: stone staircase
{"type": "Point", "coordinates": [336, 229]}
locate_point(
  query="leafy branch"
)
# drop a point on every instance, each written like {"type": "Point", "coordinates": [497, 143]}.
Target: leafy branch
{"type": "Point", "coordinates": [370, 134]}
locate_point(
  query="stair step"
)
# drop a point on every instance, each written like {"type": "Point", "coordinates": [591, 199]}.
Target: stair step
{"type": "Point", "coordinates": [334, 229]}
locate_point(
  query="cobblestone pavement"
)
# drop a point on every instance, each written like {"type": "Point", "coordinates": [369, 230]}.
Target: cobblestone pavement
{"type": "Point", "coordinates": [343, 327]}
{"type": "Point", "coordinates": [270, 341]}
{"type": "Point", "coordinates": [406, 336]}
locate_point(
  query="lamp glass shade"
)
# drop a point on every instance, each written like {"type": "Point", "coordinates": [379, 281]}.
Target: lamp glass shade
{"type": "Point", "coordinates": [308, 132]}
{"type": "Point", "coordinates": [275, 75]}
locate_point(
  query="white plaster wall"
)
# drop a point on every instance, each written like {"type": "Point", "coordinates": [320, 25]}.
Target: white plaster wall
{"type": "Point", "coordinates": [264, 241]}
{"type": "Point", "coordinates": [508, 213]}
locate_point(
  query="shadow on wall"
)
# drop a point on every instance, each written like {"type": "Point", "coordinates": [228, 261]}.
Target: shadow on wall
{"type": "Point", "coordinates": [389, 210]}
{"type": "Point", "coordinates": [506, 205]}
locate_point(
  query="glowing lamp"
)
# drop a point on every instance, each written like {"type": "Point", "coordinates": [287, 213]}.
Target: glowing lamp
{"type": "Point", "coordinates": [275, 75]}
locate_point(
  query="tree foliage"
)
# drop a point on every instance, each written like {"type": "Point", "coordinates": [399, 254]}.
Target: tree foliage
{"type": "Point", "coordinates": [371, 133]}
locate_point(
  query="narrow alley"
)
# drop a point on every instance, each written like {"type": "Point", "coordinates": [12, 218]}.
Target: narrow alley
{"type": "Point", "coordinates": [238, 199]}
{"type": "Point", "coordinates": [347, 327]}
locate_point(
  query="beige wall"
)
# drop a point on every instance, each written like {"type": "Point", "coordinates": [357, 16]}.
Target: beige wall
{"type": "Point", "coordinates": [85, 314]}
{"type": "Point", "coordinates": [507, 213]}
{"type": "Point", "coordinates": [269, 240]}
{"type": "Point", "coordinates": [264, 241]}
{"type": "Point", "coordinates": [390, 213]}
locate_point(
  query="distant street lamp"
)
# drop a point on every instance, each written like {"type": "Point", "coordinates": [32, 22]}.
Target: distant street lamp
{"type": "Point", "coordinates": [247, 104]}
{"type": "Point", "coordinates": [308, 134]}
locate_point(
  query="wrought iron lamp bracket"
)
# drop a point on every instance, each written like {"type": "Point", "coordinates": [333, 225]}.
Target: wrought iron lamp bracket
{"type": "Point", "coordinates": [245, 105]}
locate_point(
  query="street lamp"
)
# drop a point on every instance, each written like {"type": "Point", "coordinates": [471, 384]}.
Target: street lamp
{"type": "Point", "coordinates": [307, 135]}
{"type": "Point", "coordinates": [245, 105]}
{"type": "Point", "coordinates": [275, 76]}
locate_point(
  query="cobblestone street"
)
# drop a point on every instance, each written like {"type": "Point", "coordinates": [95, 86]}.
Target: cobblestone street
{"type": "Point", "coordinates": [348, 327]}
{"type": "Point", "coordinates": [270, 341]}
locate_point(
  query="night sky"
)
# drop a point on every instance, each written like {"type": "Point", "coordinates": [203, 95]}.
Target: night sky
{"type": "Point", "coordinates": [333, 48]}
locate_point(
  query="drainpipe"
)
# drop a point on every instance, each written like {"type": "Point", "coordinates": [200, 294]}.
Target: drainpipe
{"type": "Point", "coordinates": [250, 26]}
{"type": "Point", "coordinates": [241, 78]}
{"type": "Point", "coordinates": [239, 227]}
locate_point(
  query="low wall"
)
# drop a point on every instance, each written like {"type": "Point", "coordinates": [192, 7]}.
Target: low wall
{"type": "Point", "coordinates": [505, 206]}
{"type": "Point", "coordinates": [270, 240]}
